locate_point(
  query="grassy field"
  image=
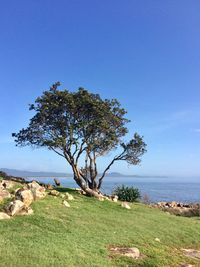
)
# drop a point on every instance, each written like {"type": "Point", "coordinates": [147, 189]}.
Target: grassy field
{"type": "Point", "coordinates": [81, 235]}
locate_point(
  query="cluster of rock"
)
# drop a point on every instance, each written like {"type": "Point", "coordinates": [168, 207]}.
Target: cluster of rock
{"type": "Point", "coordinates": [64, 196]}
{"type": "Point", "coordinates": [113, 198]}
{"type": "Point", "coordinates": [22, 198]}
{"type": "Point", "coordinates": [178, 208]}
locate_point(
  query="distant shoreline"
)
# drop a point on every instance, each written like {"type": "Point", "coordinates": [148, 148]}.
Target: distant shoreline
{"type": "Point", "coordinates": [21, 173]}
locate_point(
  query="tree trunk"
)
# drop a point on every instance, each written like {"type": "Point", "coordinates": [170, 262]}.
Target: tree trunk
{"type": "Point", "coordinates": [92, 193]}
{"type": "Point", "coordinates": [90, 190]}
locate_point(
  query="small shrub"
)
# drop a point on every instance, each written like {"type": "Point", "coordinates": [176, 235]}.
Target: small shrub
{"type": "Point", "coordinates": [125, 193]}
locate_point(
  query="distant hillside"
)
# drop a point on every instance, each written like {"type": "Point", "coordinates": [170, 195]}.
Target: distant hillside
{"type": "Point", "coordinates": [20, 173]}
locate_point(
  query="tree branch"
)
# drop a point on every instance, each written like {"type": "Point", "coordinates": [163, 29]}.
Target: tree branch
{"type": "Point", "coordinates": [60, 154]}
{"type": "Point", "coordinates": [80, 151]}
{"type": "Point", "coordinates": [108, 167]}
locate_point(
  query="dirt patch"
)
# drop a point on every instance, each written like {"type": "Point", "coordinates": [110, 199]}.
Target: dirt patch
{"type": "Point", "coordinates": [133, 252]}
{"type": "Point", "coordinates": [187, 265]}
{"type": "Point", "coordinates": [193, 253]}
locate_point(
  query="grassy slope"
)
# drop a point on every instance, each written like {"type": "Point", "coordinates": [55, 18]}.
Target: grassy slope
{"type": "Point", "coordinates": [80, 235]}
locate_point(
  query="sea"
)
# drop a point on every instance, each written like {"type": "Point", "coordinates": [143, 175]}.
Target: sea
{"type": "Point", "coordinates": [186, 190]}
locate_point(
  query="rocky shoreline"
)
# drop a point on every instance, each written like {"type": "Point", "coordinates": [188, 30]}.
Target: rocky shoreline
{"type": "Point", "coordinates": [178, 208]}
{"type": "Point", "coordinates": [38, 191]}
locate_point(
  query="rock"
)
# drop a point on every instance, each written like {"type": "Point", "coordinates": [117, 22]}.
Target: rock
{"type": "Point", "coordinates": [187, 265]}
{"type": "Point", "coordinates": [66, 204]}
{"type": "Point", "coordinates": [39, 193]}
{"type": "Point", "coordinates": [26, 211]}
{"type": "Point", "coordinates": [34, 185]}
{"type": "Point", "coordinates": [114, 198]}
{"type": "Point", "coordinates": [101, 198]}
{"type": "Point", "coordinates": [54, 193]}
{"type": "Point", "coordinates": [57, 182]}
{"type": "Point", "coordinates": [4, 216]}
{"type": "Point", "coordinates": [8, 184]}
{"type": "Point", "coordinates": [14, 207]}
{"type": "Point", "coordinates": [69, 196]}
{"type": "Point", "coordinates": [125, 205]}
{"type": "Point", "coordinates": [173, 204]}
{"type": "Point", "coordinates": [161, 204]}
{"type": "Point", "coordinates": [1, 186]}
{"type": "Point", "coordinates": [178, 208]}
{"type": "Point", "coordinates": [133, 253]}
{"type": "Point", "coordinates": [4, 194]}
{"type": "Point", "coordinates": [180, 205]}
{"type": "Point", "coordinates": [37, 190]}
{"type": "Point", "coordinates": [26, 196]}
{"type": "Point", "coordinates": [49, 187]}
{"type": "Point", "coordinates": [16, 190]}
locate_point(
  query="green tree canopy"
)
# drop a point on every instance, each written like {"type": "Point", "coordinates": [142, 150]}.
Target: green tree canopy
{"type": "Point", "coordinates": [81, 124]}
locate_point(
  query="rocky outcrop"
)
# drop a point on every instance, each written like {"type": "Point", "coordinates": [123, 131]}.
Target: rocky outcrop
{"type": "Point", "coordinates": [178, 208]}
{"type": "Point", "coordinates": [23, 198]}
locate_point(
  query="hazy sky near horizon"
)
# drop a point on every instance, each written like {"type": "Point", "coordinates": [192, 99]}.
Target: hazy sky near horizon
{"type": "Point", "coordinates": [144, 53]}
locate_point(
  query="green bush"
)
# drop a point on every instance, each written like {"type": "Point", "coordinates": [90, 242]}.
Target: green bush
{"type": "Point", "coordinates": [129, 194]}
{"type": "Point", "coordinates": [3, 174]}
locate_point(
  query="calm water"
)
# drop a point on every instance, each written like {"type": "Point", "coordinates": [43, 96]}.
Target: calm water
{"type": "Point", "coordinates": [157, 189]}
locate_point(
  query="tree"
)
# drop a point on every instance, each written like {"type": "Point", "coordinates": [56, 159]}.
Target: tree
{"type": "Point", "coordinates": [78, 125]}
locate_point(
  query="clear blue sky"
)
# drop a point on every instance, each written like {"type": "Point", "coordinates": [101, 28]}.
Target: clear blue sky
{"type": "Point", "coordinates": [144, 53]}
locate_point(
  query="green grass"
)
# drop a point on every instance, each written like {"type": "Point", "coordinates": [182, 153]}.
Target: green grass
{"type": "Point", "coordinates": [81, 235]}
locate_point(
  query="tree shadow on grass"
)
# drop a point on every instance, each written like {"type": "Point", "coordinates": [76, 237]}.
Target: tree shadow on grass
{"type": "Point", "coordinates": [64, 189]}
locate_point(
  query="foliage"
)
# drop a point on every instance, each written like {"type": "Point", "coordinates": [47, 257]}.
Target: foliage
{"type": "Point", "coordinates": [3, 174]}
{"type": "Point", "coordinates": [55, 235]}
{"type": "Point", "coordinates": [126, 193]}
{"type": "Point", "coordinates": [81, 125]}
